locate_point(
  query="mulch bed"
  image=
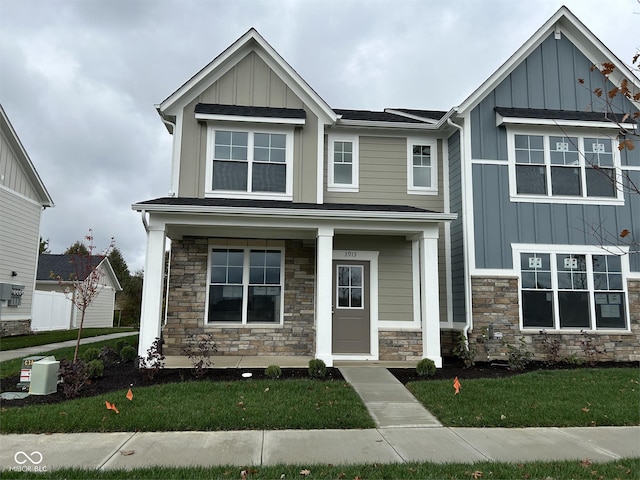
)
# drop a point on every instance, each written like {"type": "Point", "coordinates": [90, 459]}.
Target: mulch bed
{"type": "Point", "coordinates": [120, 376]}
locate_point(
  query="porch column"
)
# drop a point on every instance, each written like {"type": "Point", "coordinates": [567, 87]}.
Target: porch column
{"type": "Point", "coordinates": [324, 286]}
{"type": "Point", "coordinates": [151, 313]}
{"type": "Point", "coordinates": [430, 295]}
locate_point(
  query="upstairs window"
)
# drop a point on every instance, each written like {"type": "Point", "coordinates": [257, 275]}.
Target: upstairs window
{"type": "Point", "coordinates": [421, 167]}
{"type": "Point", "coordinates": [343, 163]}
{"type": "Point", "coordinates": [572, 291]}
{"type": "Point", "coordinates": [252, 164]}
{"type": "Point", "coordinates": [558, 167]}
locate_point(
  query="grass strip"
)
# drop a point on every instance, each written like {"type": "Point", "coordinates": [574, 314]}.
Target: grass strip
{"type": "Point", "coordinates": [622, 469]}
{"type": "Point", "coordinates": [12, 367]}
{"type": "Point", "coordinates": [42, 338]}
{"type": "Point", "coordinates": [582, 397]}
{"type": "Point", "coordinates": [201, 406]}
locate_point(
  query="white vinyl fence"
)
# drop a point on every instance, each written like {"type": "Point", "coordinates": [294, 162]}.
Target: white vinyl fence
{"type": "Point", "coordinates": [51, 311]}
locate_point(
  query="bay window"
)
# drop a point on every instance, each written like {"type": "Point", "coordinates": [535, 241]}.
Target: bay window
{"type": "Point", "coordinates": [245, 286]}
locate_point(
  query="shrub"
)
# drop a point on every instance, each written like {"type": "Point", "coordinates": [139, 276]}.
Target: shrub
{"type": "Point", "coordinates": [518, 357]}
{"type": "Point", "coordinates": [317, 368]}
{"type": "Point", "coordinates": [465, 351]}
{"type": "Point", "coordinates": [154, 361]}
{"type": "Point", "coordinates": [73, 376]}
{"type": "Point", "coordinates": [552, 346]}
{"type": "Point", "coordinates": [199, 350]}
{"type": "Point", "coordinates": [119, 345]}
{"type": "Point", "coordinates": [90, 354]}
{"type": "Point", "coordinates": [426, 368]}
{"type": "Point", "coordinates": [128, 354]}
{"type": "Point", "coordinates": [273, 371]}
{"type": "Point", "coordinates": [95, 369]}
{"type": "Point", "coordinates": [108, 356]}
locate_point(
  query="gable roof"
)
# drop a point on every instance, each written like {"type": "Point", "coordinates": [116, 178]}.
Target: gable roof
{"type": "Point", "coordinates": [63, 265]}
{"type": "Point", "coordinates": [251, 41]}
{"type": "Point", "coordinates": [562, 22]}
{"type": "Point", "coordinates": [23, 158]}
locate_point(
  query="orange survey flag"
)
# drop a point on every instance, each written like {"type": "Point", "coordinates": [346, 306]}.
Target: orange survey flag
{"type": "Point", "coordinates": [456, 385]}
{"type": "Point", "coordinates": [111, 406]}
{"type": "Point", "coordinates": [129, 395]}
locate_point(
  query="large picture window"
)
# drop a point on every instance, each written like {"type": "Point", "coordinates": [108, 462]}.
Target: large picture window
{"type": "Point", "coordinates": [566, 167]}
{"type": "Point", "coordinates": [572, 291]}
{"type": "Point", "coordinates": [247, 162]}
{"type": "Point", "coordinates": [245, 286]}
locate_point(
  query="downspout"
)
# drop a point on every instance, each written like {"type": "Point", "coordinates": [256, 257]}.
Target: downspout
{"type": "Point", "coordinates": [172, 126]}
{"type": "Point", "coordinates": [467, 284]}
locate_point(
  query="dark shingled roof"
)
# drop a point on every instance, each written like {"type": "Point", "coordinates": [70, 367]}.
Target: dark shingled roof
{"type": "Point", "coordinates": [63, 265]}
{"type": "Point", "coordinates": [369, 116]}
{"type": "Point", "coordinates": [558, 114]}
{"type": "Point", "coordinates": [244, 203]}
{"type": "Point", "coordinates": [431, 114]}
{"type": "Point", "coordinates": [245, 111]}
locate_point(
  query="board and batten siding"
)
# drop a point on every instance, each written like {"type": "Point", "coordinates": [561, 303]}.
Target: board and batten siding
{"type": "Point", "coordinates": [251, 82]}
{"type": "Point", "coordinates": [548, 78]}
{"type": "Point", "coordinates": [498, 222]}
{"type": "Point", "coordinates": [15, 178]}
{"type": "Point", "coordinates": [456, 231]}
{"type": "Point", "coordinates": [19, 240]}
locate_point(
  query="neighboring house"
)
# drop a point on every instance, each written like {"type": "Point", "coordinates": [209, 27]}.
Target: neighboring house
{"type": "Point", "coordinates": [298, 229]}
{"type": "Point", "coordinates": [54, 309]}
{"type": "Point", "coordinates": [23, 197]}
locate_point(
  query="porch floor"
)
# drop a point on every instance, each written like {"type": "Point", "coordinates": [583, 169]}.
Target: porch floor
{"type": "Point", "coordinates": [263, 361]}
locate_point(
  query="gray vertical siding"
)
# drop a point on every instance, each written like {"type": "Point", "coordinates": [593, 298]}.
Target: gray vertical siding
{"type": "Point", "coordinates": [498, 222]}
{"type": "Point", "coordinates": [548, 78]}
{"type": "Point", "coordinates": [457, 238]}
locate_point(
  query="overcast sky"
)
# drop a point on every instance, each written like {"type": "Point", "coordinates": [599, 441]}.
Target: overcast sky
{"type": "Point", "coordinates": [79, 79]}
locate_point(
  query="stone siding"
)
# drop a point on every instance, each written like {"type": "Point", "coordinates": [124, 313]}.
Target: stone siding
{"type": "Point", "coordinates": [10, 328]}
{"type": "Point", "coordinates": [399, 345]}
{"type": "Point", "coordinates": [187, 305]}
{"type": "Point", "coordinates": [495, 309]}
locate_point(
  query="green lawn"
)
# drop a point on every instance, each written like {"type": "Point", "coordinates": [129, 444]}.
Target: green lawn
{"type": "Point", "coordinates": [622, 469]}
{"type": "Point", "coordinates": [552, 398]}
{"type": "Point", "coordinates": [12, 367]}
{"type": "Point", "coordinates": [42, 338]}
{"type": "Point", "coordinates": [201, 406]}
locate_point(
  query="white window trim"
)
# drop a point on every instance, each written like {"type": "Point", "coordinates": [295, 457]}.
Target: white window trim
{"type": "Point", "coordinates": [354, 186]}
{"type": "Point", "coordinates": [569, 199]}
{"type": "Point", "coordinates": [210, 193]}
{"type": "Point", "coordinates": [553, 250]}
{"type": "Point", "coordinates": [363, 287]}
{"type": "Point", "coordinates": [433, 189]}
{"type": "Point", "coordinates": [245, 287]}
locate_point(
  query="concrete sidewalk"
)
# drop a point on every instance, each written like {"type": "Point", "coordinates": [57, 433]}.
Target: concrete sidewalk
{"type": "Point", "coordinates": [38, 349]}
{"type": "Point", "coordinates": [124, 450]}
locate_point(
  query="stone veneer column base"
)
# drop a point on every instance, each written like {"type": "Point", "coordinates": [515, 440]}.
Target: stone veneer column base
{"type": "Point", "coordinates": [495, 309]}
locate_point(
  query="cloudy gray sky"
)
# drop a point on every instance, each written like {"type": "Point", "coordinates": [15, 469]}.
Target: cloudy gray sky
{"type": "Point", "coordinates": [79, 78]}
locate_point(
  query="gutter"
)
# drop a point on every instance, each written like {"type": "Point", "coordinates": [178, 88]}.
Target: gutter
{"type": "Point", "coordinates": [467, 277]}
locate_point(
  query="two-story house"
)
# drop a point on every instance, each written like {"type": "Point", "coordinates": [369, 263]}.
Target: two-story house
{"type": "Point", "coordinates": [23, 197]}
{"type": "Point", "coordinates": [299, 229]}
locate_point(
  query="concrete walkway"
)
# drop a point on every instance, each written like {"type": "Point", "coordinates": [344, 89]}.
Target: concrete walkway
{"type": "Point", "coordinates": [38, 349]}
{"type": "Point", "coordinates": [126, 450]}
{"type": "Point", "coordinates": [389, 403]}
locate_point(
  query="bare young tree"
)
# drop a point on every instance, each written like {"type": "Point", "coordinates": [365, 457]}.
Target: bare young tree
{"type": "Point", "coordinates": [85, 282]}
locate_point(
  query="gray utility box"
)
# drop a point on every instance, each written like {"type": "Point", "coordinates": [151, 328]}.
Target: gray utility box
{"type": "Point", "coordinates": [44, 376]}
{"type": "Point", "coordinates": [11, 293]}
